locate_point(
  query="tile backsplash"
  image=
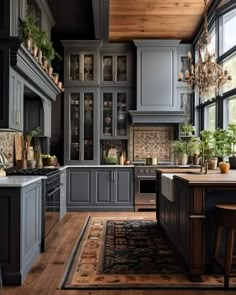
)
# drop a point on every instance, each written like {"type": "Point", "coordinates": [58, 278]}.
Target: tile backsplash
{"type": "Point", "coordinates": [7, 145]}
{"type": "Point", "coordinates": [150, 141]}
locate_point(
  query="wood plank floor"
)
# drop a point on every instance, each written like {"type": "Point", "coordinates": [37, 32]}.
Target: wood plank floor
{"type": "Point", "coordinates": [46, 273]}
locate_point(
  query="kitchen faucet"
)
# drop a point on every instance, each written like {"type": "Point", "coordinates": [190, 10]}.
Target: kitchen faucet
{"type": "Point", "coordinates": [203, 162]}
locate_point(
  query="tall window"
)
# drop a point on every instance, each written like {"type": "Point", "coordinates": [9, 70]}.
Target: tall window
{"type": "Point", "coordinates": [210, 117]}
{"type": "Point", "coordinates": [229, 34]}
{"type": "Point", "coordinates": [230, 65]}
{"type": "Point", "coordinates": [230, 111]}
{"type": "Point", "coordinates": [224, 32]}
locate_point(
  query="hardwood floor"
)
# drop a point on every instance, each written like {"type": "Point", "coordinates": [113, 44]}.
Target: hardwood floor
{"type": "Point", "coordinates": [46, 273]}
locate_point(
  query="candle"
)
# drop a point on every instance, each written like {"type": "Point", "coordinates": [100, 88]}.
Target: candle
{"type": "Point", "coordinates": [186, 75]}
{"type": "Point", "coordinates": [189, 54]}
{"type": "Point", "coordinates": [180, 77]}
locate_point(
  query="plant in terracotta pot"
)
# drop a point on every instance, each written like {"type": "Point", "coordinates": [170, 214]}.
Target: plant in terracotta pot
{"type": "Point", "coordinates": [208, 140]}
{"type": "Point", "coordinates": [30, 134]}
{"type": "Point", "coordinates": [231, 136]}
{"type": "Point", "coordinates": [222, 147]}
{"type": "Point", "coordinates": [194, 150]}
{"type": "Point", "coordinates": [28, 30]}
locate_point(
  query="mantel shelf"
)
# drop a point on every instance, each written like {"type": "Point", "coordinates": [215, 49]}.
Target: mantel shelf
{"type": "Point", "coordinates": [24, 63]}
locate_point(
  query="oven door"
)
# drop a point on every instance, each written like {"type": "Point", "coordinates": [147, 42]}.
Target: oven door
{"type": "Point", "coordinates": [145, 190]}
{"type": "Point", "coordinates": [52, 209]}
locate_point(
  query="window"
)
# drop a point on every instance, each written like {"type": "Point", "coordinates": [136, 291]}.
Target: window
{"type": "Point", "coordinates": [229, 35]}
{"type": "Point", "coordinates": [210, 117]}
{"type": "Point", "coordinates": [230, 65]}
{"type": "Point", "coordinates": [230, 111]}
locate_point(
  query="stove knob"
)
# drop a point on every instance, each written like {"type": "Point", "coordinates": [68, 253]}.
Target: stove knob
{"type": "Point", "coordinates": [141, 171]}
{"type": "Point", "coordinates": [152, 171]}
{"type": "Point", "coordinates": [146, 170]}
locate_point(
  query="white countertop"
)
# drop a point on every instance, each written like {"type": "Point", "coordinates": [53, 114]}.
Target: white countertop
{"type": "Point", "coordinates": [19, 181]}
{"type": "Point", "coordinates": [95, 166]}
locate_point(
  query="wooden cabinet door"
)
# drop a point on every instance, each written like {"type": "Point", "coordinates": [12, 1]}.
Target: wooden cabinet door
{"type": "Point", "coordinates": [104, 187]}
{"type": "Point", "coordinates": [80, 183]}
{"type": "Point", "coordinates": [123, 187]}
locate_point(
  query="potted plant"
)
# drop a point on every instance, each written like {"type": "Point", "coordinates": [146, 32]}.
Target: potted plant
{"type": "Point", "coordinates": [208, 141]}
{"type": "Point", "coordinates": [29, 148]}
{"type": "Point", "coordinates": [28, 29]}
{"type": "Point", "coordinates": [231, 136]}
{"type": "Point", "coordinates": [181, 152]}
{"type": "Point", "coordinates": [194, 150]}
{"type": "Point", "coordinates": [187, 129]}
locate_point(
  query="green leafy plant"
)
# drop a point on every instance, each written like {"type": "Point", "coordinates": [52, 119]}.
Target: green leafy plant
{"type": "Point", "coordinates": [187, 129]}
{"type": "Point", "coordinates": [231, 136]}
{"type": "Point", "coordinates": [208, 143]}
{"type": "Point", "coordinates": [28, 29]}
{"type": "Point", "coordinates": [181, 146]}
{"type": "Point", "coordinates": [32, 133]}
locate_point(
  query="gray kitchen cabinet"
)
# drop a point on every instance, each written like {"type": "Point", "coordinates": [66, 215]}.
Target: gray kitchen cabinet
{"type": "Point", "coordinates": [20, 230]}
{"type": "Point", "coordinates": [123, 187]}
{"type": "Point", "coordinates": [79, 188]}
{"type": "Point", "coordinates": [81, 137]}
{"type": "Point", "coordinates": [100, 189]}
{"type": "Point", "coordinates": [114, 113]}
{"type": "Point", "coordinates": [113, 187]}
{"type": "Point", "coordinates": [81, 62]}
{"type": "Point", "coordinates": [16, 101]}
{"type": "Point", "coordinates": [62, 194]}
{"type": "Point", "coordinates": [116, 64]}
{"type": "Point", "coordinates": [156, 75]}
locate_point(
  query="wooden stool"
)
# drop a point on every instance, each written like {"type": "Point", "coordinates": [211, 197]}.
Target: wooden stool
{"type": "Point", "coordinates": [225, 218]}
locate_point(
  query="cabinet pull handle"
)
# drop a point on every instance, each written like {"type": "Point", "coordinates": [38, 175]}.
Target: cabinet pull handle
{"type": "Point", "coordinates": [18, 117]}
{"type": "Point", "coordinates": [112, 175]}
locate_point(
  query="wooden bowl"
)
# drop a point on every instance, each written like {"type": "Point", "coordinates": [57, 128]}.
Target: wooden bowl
{"type": "Point", "coordinates": [49, 161]}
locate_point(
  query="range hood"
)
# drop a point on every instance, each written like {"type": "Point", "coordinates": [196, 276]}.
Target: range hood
{"type": "Point", "coordinates": [157, 100]}
{"type": "Point", "coordinates": [156, 117]}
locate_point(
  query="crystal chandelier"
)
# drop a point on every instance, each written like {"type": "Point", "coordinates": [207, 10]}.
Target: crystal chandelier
{"type": "Point", "coordinates": [206, 76]}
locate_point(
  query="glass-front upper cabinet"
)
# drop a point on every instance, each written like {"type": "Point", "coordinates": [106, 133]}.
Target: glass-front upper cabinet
{"type": "Point", "coordinates": [114, 114]}
{"type": "Point", "coordinates": [81, 129]}
{"type": "Point", "coordinates": [81, 62]}
{"type": "Point", "coordinates": [115, 69]}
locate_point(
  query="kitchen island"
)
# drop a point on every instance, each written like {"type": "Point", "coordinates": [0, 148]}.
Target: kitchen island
{"type": "Point", "coordinates": [20, 226]}
{"type": "Point", "coordinates": [188, 218]}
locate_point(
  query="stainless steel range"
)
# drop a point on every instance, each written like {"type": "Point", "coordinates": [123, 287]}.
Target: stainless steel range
{"type": "Point", "coordinates": [146, 186]}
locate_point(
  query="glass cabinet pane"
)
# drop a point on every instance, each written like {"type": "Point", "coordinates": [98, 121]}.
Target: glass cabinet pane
{"type": "Point", "coordinates": [82, 67]}
{"type": "Point", "coordinates": [88, 67]}
{"type": "Point", "coordinates": [88, 126]}
{"type": "Point", "coordinates": [75, 123]}
{"type": "Point", "coordinates": [121, 113]}
{"type": "Point", "coordinates": [121, 68]}
{"type": "Point", "coordinates": [74, 67]}
{"type": "Point", "coordinates": [107, 114]}
{"type": "Point", "coordinates": [107, 68]}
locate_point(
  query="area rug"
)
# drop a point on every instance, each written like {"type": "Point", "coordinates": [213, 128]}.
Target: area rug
{"type": "Point", "coordinates": [128, 253]}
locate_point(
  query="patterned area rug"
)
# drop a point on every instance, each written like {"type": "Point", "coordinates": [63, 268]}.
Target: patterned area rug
{"type": "Point", "coordinates": [128, 253]}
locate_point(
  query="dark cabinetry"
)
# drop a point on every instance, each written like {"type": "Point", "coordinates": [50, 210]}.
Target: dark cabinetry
{"type": "Point", "coordinates": [100, 189]}
{"type": "Point", "coordinates": [20, 230]}
{"type": "Point", "coordinates": [81, 130]}
{"type": "Point", "coordinates": [114, 113]}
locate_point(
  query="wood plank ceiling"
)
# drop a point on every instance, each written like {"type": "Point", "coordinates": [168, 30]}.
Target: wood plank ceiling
{"type": "Point", "coordinates": [154, 19]}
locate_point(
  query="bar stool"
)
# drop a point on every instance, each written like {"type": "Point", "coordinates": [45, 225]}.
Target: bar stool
{"type": "Point", "coordinates": [225, 218]}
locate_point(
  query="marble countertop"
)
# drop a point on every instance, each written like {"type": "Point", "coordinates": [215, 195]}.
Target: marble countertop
{"type": "Point", "coordinates": [19, 181]}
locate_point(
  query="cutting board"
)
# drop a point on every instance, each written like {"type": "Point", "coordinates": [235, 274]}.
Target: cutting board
{"type": "Point", "coordinates": [18, 146]}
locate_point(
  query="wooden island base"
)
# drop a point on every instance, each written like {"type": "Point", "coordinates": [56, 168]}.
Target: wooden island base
{"type": "Point", "coordinates": [189, 220]}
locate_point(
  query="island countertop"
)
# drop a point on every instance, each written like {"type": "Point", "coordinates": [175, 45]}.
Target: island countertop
{"type": "Point", "coordinates": [19, 181]}
{"type": "Point", "coordinates": [212, 177]}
